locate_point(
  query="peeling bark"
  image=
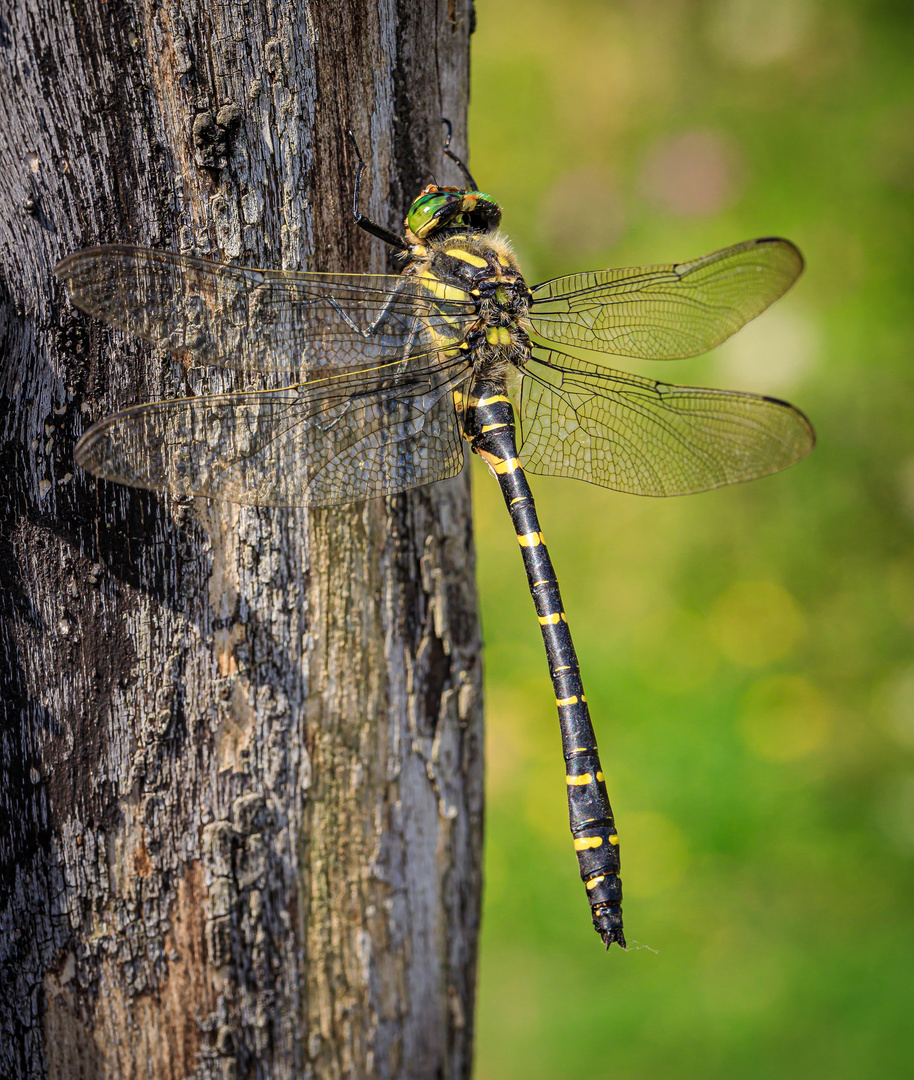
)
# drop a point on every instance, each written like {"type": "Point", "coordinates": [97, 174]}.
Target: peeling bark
{"type": "Point", "coordinates": [240, 798]}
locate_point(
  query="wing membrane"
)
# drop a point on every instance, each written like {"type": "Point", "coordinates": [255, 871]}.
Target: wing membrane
{"type": "Point", "coordinates": [259, 320]}
{"type": "Point", "coordinates": [650, 438]}
{"type": "Point", "coordinates": [666, 312]}
{"type": "Point", "coordinates": [326, 442]}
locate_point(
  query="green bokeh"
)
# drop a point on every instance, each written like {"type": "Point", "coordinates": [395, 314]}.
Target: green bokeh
{"type": "Point", "coordinates": [747, 652]}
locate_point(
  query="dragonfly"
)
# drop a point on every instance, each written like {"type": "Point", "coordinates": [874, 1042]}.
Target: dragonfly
{"type": "Point", "coordinates": [385, 379]}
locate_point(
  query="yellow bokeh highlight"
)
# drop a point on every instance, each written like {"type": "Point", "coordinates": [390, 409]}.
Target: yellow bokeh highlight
{"type": "Point", "coordinates": [672, 649]}
{"type": "Point", "coordinates": [755, 623]}
{"type": "Point", "coordinates": [893, 706]}
{"type": "Point", "coordinates": [654, 854]}
{"type": "Point", "coordinates": [785, 717]}
{"type": "Point", "coordinates": [756, 33]}
{"type": "Point", "coordinates": [510, 736]}
{"type": "Point", "coordinates": [546, 804]}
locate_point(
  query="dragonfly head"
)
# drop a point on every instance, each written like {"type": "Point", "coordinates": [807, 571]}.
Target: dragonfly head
{"type": "Point", "coordinates": [446, 209]}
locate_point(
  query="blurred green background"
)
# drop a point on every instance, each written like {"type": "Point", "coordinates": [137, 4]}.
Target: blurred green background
{"type": "Point", "coordinates": [746, 652]}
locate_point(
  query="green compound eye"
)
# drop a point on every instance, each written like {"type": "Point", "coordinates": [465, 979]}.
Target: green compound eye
{"type": "Point", "coordinates": [438, 211]}
{"type": "Point", "coordinates": [423, 214]}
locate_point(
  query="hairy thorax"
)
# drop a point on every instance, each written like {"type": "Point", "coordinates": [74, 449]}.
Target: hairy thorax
{"type": "Point", "coordinates": [482, 269]}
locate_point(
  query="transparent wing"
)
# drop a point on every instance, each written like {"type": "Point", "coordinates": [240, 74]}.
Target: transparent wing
{"type": "Point", "coordinates": [330, 441]}
{"type": "Point", "coordinates": [650, 438]}
{"type": "Point", "coordinates": [260, 320]}
{"type": "Point", "coordinates": [666, 312]}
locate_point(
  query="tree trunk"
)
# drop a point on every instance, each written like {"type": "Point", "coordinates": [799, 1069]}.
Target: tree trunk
{"type": "Point", "coordinates": [241, 800]}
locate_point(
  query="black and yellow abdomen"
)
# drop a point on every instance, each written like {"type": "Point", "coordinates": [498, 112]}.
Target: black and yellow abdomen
{"type": "Point", "coordinates": [488, 419]}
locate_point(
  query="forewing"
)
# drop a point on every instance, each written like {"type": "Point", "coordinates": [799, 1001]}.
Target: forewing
{"type": "Point", "coordinates": [326, 442]}
{"type": "Point", "coordinates": [650, 438]}
{"type": "Point", "coordinates": [666, 312]}
{"type": "Point", "coordinates": [259, 320]}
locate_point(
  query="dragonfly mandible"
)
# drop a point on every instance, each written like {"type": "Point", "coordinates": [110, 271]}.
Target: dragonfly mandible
{"type": "Point", "coordinates": [385, 379]}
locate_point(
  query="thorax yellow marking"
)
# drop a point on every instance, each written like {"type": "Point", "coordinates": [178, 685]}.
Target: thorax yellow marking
{"type": "Point", "coordinates": [439, 288]}
{"type": "Point", "coordinates": [467, 257]}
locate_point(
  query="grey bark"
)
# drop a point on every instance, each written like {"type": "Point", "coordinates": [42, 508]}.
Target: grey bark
{"type": "Point", "coordinates": [240, 799]}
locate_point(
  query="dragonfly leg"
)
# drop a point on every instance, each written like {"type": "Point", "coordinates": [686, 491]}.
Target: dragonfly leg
{"type": "Point", "coordinates": [450, 153]}
{"type": "Point", "coordinates": [377, 325]}
{"type": "Point", "coordinates": [369, 331]}
{"type": "Point", "coordinates": [366, 223]}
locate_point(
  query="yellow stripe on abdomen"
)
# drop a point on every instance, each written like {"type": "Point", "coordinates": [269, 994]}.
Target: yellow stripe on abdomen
{"type": "Point", "coordinates": [502, 466]}
{"type": "Point", "coordinates": [588, 842]}
{"type": "Point", "coordinates": [551, 620]}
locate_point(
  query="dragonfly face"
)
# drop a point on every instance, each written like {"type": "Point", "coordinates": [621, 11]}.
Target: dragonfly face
{"type": "Point", "coordinates": [439, 210]}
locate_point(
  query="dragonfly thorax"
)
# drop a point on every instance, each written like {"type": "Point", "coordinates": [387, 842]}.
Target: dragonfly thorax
{"type": "Point", "coordinates": [483, 270]}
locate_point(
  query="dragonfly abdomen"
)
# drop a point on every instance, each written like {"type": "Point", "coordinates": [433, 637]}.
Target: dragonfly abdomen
{"type": "Point", "coordinates": [489, 425]}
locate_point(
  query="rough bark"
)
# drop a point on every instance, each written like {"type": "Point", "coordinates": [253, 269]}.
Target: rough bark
{"type": "Point", "coordinates": [240, 800]}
